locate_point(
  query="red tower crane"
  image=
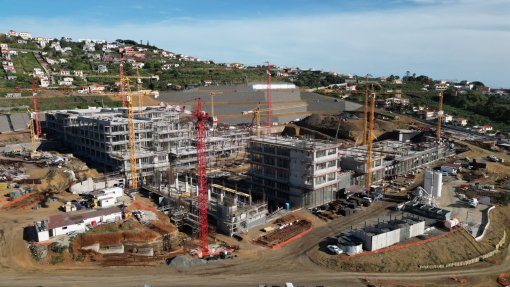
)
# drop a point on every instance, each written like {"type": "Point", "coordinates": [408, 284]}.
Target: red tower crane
{"type": "Point", "coordinates": [268, 91]}
{"type": "Point", "coordinates": [202, 118]}
{"type": "Point", "coordinates": [35, 103]}
{"type": "Point", "coordinates": [121, 77]}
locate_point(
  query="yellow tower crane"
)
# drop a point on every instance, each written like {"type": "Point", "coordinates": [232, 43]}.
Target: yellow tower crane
{"type": "Point", "coordinates": [256, 111]}
{"type": "Point", "coordinates": [439, 116]}
{"type": "Point", "coordinates": [31, 127]}
{"type": "Point", "coordinates": [365, 118]}
{"type": "Point", "coordinates": [131, 129]}
{"type": "Point", "coordinates": [213, 117]}
{"type": "Point", "coordinates": [368, 180]}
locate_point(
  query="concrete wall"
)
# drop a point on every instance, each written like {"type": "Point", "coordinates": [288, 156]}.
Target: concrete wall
{"type": "Point", "coordinates": [43, 235]}
{"type": "Point", "coordinates": [79, 227]}
{"type": "Point", "coordinates": [112, 249]}
{"type": "Point", "coordinates": [90, 185]}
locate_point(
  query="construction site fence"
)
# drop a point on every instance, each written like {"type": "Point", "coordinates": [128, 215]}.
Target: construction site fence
{"type": "Point", "coordinates": [469, 261]}
{"type": "Point", "coordinates": [485, 222]}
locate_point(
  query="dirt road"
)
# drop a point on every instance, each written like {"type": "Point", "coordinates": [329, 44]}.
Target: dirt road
{"type": "Point", "coordinates": [273, 267]}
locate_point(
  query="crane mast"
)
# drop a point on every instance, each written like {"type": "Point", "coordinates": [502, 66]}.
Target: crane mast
{"type": "Point", "coordinates": [268, 92]}
{"type": "Point", "coordinates": [121, 75]}
{"type": "Point", "coordinates": [131, 129]}
{"type": "Point", "coordinates": [368, 180]}
{"type": "Point", "coordinates": [138, 90]}
{"type": "Point", "coordinates": [365, 118]}
{"type": "Point", "coordinates": [35, 103]}
{"type": "Point", "coordinates": [201, 119]}
{"type": "Point", "coordinates": [439, 116]}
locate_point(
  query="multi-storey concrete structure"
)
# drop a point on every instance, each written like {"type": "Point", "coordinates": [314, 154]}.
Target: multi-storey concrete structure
{"type": "Point", "coordinates": [300, 172]}
{"type": "Point", "coordinates": [101, 137]}
{"type": "Point", "coordinates": [391, 158]}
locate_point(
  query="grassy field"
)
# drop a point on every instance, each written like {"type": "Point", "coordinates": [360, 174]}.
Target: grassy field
{"type": "Point", "coordinates": [25, 62]}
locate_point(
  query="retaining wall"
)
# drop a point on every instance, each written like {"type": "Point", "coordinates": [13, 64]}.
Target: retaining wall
{"type": "Point", "coordinates": [470, 261]}
{"type": "Point", "coordinates": [485, 222]}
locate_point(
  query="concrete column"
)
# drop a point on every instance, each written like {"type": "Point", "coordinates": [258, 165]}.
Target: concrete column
{"type": "Point", "coordinates": [186, 186]}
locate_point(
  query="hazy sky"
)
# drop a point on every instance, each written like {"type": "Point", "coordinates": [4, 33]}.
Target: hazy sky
{"type": "Point", "coordinates": [445, 39]}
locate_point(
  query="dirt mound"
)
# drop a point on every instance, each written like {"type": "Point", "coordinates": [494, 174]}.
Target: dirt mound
{"type": "Point", "coordinates": [351, 128]}
{"type": "Point", "coordinates": [185, 262]}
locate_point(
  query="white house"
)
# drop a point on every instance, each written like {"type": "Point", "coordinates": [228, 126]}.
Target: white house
{"type": "Point", "coordinates": [138, 65]}
{"type": "Point", "coordinates": [460, 122]}
{"type": "Point", "coordinates": [167, 67]}
{"type": "Point", "coordinates": [66, 223]}
{"type": "Point", "coordinates": [102, 69]}
{"type": "Point", "coordinates": [25, 35]}
{"type": "Point", "coordinates": [442, 86]}
{"type": "Point", "coordinates": [12, 33]}
{"type": "Point", "coordinates": [78, 73]}
{"type": "Point", "coordinates": [107, 197]}
{"type": "Point", "coordinates": [44, 82]}
{"type": "Point", "coordinates": [67, 81]}
{"type": "Point", "coordinates": [447, 118]}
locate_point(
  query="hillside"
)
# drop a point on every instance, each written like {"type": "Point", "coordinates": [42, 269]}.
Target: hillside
{"type": "Point", "coordinates": [98, 62]}
{"type": "Point", "coordinates": [92, 67]}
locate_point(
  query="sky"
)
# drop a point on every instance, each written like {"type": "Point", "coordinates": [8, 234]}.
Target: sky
{"type": "Point", "coordinates": [444, 39]}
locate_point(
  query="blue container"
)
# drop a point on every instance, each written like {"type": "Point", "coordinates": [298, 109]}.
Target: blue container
{"type": "Point", "coordinates": [287, 206]}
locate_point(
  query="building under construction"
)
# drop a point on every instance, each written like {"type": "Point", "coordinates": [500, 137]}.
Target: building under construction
{"type": "Point", "coordinates": [229, 210]}
{"type": "Point", "coordinates": [391, 158]}
{"type": "Point", "coordinates": [295, 171]}
{"type": "Point", "coordinates": [100, 135]}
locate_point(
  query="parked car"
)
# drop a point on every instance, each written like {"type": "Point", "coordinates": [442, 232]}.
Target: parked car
{"type": "Point", "coordinates": [335, 249]}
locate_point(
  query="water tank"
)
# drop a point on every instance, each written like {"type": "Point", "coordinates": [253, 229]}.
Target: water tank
{"type": "Point", "coordinates": [437, 184]}
{"type": "Point", "coordinates": [451, 223]}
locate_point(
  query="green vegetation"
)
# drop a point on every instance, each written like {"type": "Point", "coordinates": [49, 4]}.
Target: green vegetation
{"type": "Point", "coordinates": [57, 248]}
{"type": "Point", "coordinates": [315, 79]}
{"type": "Point", "coordinates": [478, 108]}
{"type": "Point", "coordinates": [57, 259]}
{"type": "Point", "coordinates": [25, 62]}
{"type": "Point", "coordinates": [57, 103]}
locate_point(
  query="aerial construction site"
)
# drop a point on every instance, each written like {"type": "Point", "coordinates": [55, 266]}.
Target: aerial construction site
{"type": "Point", "coordinates": [247, 179]}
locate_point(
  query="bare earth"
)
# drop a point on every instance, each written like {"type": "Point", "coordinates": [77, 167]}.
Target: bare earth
{"type": "Point", "coordinates": [260, 265]}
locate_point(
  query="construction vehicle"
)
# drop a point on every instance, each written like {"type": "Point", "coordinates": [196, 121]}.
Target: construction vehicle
{"type": "Point", "coordinates": [127, 215]}
{"type": "Point", "coordinates": [92, 203]}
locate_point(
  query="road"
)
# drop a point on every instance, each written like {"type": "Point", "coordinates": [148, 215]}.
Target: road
{"type": "Point", "coordinates": [273, 267]}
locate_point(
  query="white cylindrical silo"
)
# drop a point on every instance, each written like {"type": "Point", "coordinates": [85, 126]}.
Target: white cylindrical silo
{"type": "Point", "coordinates": [437, 184]}
{"type": "Point", "coordinates": [428, 181]}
